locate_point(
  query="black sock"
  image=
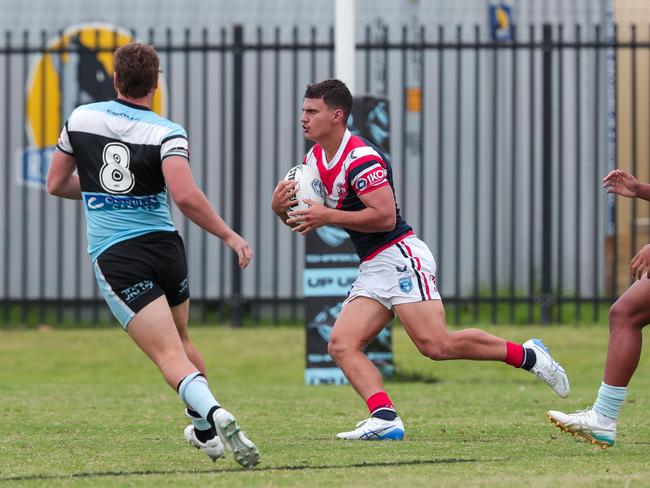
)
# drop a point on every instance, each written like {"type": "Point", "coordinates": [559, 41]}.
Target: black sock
{"type": "Point", "coordinates": [210, 414]}
{"type": "Point", "coordinates": [202, 435]}
{"type": "Point", "coordinates": [530, 358]}
{"type": "Point", "coordinates": [385, 414]}
{"type": "Point", "coordinates": [205, 435]}
{"type": "Point", "coordinates": [194, 414]}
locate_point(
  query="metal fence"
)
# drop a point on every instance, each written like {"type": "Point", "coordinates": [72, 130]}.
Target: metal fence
{"type": "Point", "coordinates": [498, 150]}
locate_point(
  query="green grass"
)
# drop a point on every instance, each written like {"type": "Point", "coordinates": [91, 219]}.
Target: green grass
{"type": "Point", "coordinates": [87, 408]}
{"type": "Point", "coordinates": [481, 313]}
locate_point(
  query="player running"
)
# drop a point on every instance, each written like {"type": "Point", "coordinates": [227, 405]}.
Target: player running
{"type": "Point", "coordinates": [397, 274]}
{"type": "Point", "coordinates": [127, 159]}
{"type": "Point", "coordinates": [627, 317]}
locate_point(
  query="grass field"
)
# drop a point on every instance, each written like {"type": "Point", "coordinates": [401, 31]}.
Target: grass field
{"type": "Point", "coordinates": [85, 407]}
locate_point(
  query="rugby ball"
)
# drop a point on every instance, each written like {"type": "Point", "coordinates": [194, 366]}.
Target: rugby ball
{"type": "Point", "coordinates": [309, 186]}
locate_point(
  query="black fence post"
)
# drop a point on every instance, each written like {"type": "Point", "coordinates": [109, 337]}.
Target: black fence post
{"type": "Point", "coordinates": [547, 171]}
{"type": "Point", "coordinates": [237, 158]}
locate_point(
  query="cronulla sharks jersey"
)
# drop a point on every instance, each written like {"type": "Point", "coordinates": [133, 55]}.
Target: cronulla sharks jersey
{"type": "Point", "coordinates": [119, 148]}
{"type": "Point", "coordinates": [356, 169]}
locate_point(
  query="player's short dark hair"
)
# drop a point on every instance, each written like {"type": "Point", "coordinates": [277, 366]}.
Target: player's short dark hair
{"type": "Point", "coordinates": [137, 67]}
{"type": "Point", "coordinates": [334, 93]}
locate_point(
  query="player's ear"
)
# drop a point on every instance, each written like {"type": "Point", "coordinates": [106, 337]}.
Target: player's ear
{"type": "Point", "coordinates": [337, 116]}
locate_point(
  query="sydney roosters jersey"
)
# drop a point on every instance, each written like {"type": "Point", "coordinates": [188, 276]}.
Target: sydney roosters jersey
{"type": "Point", "coordinates": [357, 169]}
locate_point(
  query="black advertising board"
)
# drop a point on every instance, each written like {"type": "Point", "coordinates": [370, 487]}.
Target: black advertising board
{"type": "Point", "coordinates": [331, 268]}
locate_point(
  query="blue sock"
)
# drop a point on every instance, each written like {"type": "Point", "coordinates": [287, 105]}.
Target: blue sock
{"type": "Point", "coordinates": [610, 399]}
{"type": "Point", "coordinates": [198, 422]}
{"type": "Point", "coordinates": [194, 391]}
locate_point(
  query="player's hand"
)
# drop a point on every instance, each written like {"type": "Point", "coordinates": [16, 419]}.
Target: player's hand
{"type": "Point", "coordinates": [238, 244]}
{"type": "Point", "coordinates": [308, 219]}
{"type": "Point", "coordinates": [281, 199]}
{"type": "Point", "coordinates": [640, 263]}
{"type": "Point", "coordinates": [621, 183]}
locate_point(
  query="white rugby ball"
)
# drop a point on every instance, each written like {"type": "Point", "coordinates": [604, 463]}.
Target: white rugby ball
{"type": "Point", "coordinates": [310, 186]}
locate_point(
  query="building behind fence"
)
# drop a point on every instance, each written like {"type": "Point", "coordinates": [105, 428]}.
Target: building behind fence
{"type": "Point", "coordinates": [498, 150]}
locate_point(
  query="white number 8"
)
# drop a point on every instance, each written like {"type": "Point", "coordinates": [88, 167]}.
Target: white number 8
{"type": "Point", "coordinates": [115, 176]}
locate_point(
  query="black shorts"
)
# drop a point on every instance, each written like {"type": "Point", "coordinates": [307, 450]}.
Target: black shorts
{"type": "Point", "coordinates": [133, 273]}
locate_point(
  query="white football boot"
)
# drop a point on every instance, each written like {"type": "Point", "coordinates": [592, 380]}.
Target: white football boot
{"type": "Point", "coordinates": [376, 429]}
{"type": "Point", "coordinates": [548, 369]}
{"type": "Point", "coordinates": [587, 424]}
{"type": "Point", "coordinates": [234, 439]}
{"type": "Point", "coordinates": [212, 447]}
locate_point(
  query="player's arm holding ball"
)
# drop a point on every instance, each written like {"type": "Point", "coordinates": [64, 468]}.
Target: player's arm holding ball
{"type": "Point", "coordinates": [281, 200]}
{"type": "Point", "coordinates": [378, 216]}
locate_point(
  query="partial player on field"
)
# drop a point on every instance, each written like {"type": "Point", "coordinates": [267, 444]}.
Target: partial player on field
{"type": "Point", "coordinates": [129, 160]}
{"type": "Point", "coordinates": [627, 317]}
{"type": "Point", "coordinates": [397, 274]}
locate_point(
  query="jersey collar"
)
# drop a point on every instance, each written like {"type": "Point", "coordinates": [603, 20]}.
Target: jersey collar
{"type": "Point", "coordinates": [132, 105]}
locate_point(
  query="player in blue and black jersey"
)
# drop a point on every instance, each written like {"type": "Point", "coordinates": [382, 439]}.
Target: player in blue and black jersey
{"type": "Point", "coordinates": [129, 161]}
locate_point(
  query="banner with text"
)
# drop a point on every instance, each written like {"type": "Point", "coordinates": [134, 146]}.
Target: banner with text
{"type": "Point", "coordinates": [331, 268]}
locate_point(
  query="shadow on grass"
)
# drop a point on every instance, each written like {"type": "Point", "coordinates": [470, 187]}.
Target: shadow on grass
{"type": "Point", "coordinates": [403, 376]}
{"type": "Point", "coordinates": [109, 474]}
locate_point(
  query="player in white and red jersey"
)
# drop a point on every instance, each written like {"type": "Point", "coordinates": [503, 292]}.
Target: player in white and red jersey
{"type": "Point", "coordinates": [359, 167]}
{"type": "Point", "coordinates": [397, 274]}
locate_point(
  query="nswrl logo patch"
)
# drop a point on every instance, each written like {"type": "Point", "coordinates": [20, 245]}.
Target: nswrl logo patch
{"type": "Point", "coordinates": [75, 68]}
{"type": "Point", "coordinates": [406, 284]}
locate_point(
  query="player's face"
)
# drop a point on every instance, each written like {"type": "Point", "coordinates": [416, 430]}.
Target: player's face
{"type": "Point", "coordinates": [317, 119]}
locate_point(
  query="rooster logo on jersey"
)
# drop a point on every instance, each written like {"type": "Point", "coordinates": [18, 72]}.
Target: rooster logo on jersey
{"type": "Point", "coordinates": [342, 189]}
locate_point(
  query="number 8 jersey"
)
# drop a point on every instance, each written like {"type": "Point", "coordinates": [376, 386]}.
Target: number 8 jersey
{"type": "Point", "coordinates": [119, 148]}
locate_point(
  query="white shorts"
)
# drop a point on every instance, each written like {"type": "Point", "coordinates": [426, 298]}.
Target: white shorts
{"type": "Point", "coordinates": [403, 273]}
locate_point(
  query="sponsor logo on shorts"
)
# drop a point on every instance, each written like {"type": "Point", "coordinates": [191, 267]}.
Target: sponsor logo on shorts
{"type": "Point", "coordinates": [434, 280]}
{"type": "Point", "coordinates": [406, 284]}
{"type": "Point", "coordinates": [132, 292]}
{"type": "Point", "coordinates": [182, 287]}
{"type": "Point", "coordinates": [401, 270]}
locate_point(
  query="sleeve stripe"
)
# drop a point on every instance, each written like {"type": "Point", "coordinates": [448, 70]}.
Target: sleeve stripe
{"type": "Point", "coordinates": [357, 162]}
{"type": "Point", "coordinates": [63, 150]}
{"type": "Point", "coordinates": [173, 136]}
{"type": "Point", "coordinates": [370, 189]}
{"type": "Point", "coordinates": [169, 155]}
{"type": "Point", "coordinates": [365, 171]}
